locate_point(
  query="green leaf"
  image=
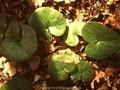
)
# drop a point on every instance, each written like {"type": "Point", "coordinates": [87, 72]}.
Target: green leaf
{"type": "Point", "coordinates": [83, 71]}
{"type": "Point", "coordinates": [17, 83]}
{"type": "Point", "coordinates": [20, 42]}
{"type": "Point", "coordinates": [48, 21]}
{"type": "Point", "coordinates": [61, 65]}
{"type": "Point", "coordinates": [72, 39]}
{"type": "Point", "coordinates": [75, 29]}
{"type": "Point", "coordinates": [103, 41]}
{"type": "Point", "coordinates": [67, 64]}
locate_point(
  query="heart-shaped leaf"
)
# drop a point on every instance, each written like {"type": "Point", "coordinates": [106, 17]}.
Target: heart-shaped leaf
{"type": "Point", "coordinates": [75, 29]}
{"type": "Point", "coordinates": [61, 65]}
{"type": "Point", "coordinates": [103, 41]}
{"type": "Point", "coordinates": [83, 71]}
{"type": "Point", "coordinates": [19, 43]}
{"type": "Point", "coordinates": [68, 63]}
{"type": "Point", "coordinates": [17, 83]}
{"type": "Point", "coordinates": [48, 21]}
{"type": "Point", "coordinates": [72, 39]}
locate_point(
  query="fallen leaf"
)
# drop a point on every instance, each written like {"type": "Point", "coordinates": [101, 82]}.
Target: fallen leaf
{"type": "Point", "coordinates": [110, 2]}
{"type": "Point", "coordinates": [98, 76]}
{"type": "Point", "coordinates": [9, 69]}
{"type": "Point", "coordinates": [2, 60]}
{"type": "Point", "coordinates": [36, 78]}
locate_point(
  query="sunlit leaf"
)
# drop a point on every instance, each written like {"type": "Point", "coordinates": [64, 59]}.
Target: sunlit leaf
{"type": "Point", "coordinates": [74, 31]}
{"type": "Point", "coordinates": [103, 41]}
{"type": "Point", "coordinates": [48, 22]}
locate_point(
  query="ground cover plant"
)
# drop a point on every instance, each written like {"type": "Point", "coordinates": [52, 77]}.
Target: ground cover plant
{"type": "Point", "coordinates": [57, 44]}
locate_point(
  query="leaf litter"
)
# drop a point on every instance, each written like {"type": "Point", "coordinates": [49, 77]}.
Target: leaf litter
{"type": "Point", "coordinates": [107, 76]}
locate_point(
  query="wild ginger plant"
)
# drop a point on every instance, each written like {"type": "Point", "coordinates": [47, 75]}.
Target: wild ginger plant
{"type": "Point", "coordinates": [19, 41]}
{"type": "Point", "coordinates": [47, 22]}
{"type": "Point", "coordinates": [102, 41]}
{"type": "Point", "coordinates": [17, 82]}
{"type": "Point", "coordinates": [68, 65]}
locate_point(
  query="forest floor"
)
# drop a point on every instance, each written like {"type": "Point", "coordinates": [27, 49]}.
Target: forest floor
{"type": "Point", "coordinates": [107, 73]}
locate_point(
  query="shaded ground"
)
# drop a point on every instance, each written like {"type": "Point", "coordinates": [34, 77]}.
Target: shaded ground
{"type": "Point", "coordinates": [107, 72]}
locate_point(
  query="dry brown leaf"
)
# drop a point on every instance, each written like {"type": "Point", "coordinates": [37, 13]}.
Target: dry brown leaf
{"type": "Point", "coordinates": [98, 76]}
{"type": "Point", "coordinates": [112, 21]}
{"type": "Point", "coordinates": [9, 69]}
{"type": "Point", "coordinates": [110, 2]}
{"type": "Point", "coordinates": [2, 60]}
{"type": "Point", "coordinates": [36, 78]}
{"type": "Point", "coordinates": [80, 14]}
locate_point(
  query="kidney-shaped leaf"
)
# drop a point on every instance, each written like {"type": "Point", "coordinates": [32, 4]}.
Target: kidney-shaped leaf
{"type": "Point", "coordinates": [20, 42]}
{"type": "Point", "coordinates": [17, 83]}
{"type": "Point", "coordinates": [47, 20]}
{"type": "Point", "coordinates": [103, 41]}
{"type": "Point", "coordinates": [61, 65]}
{"type": "Point", "coordinates": [83, 71]}
{"type": "Point", "coordinates": [72, 39]}
{"type": "Point", "coordinates": [75, 29]}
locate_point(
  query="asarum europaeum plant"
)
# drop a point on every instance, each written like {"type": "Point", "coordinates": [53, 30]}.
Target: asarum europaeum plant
{"type": "Point", "coordinates": [48, 21]}
{"type": "Point", "coordinates": [17, 83]}
{"type": "Point", "coordinates": [103, 41]}
{"type": "Point", "coordinates": [18, 41]}
{"type": "Point", "coordinates": [74, 30]}
{"type": "Point", "coordinates": [68, 64]}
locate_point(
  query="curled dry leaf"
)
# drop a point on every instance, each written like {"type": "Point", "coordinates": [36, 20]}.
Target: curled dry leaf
{"type": "Point", "coordinates": [9, 69]}
{"type": "Point", "coordinates": [110, 2]}
{"type": "Point", "coordinates": [2, 60]}
{"type": "Point", "coordinates": [36, 78]}
{"type": "Point", "coordinates": [99, 75]}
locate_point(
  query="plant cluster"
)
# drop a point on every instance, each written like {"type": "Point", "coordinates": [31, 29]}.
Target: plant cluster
{"type": "Point", "coordinates": [68, 65]}
{"type": "Point", "coordinates": [19, 42]}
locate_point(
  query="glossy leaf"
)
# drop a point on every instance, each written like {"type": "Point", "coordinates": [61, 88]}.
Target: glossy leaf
{"type": "Point", "coordinates": [83, 71]}
{"type": "Point", "coordinates": [17, 83]}
{"type": "Point", "coordinates": [75, 29]}
{"type": "Point", "coordinates": [72, 39]}
{"type": "Point", "coordinates": [103, 41]}
{"type": "Point", "coordinates": [48, 21]}
{"type": "Point", "coordinates": [20, 42]}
